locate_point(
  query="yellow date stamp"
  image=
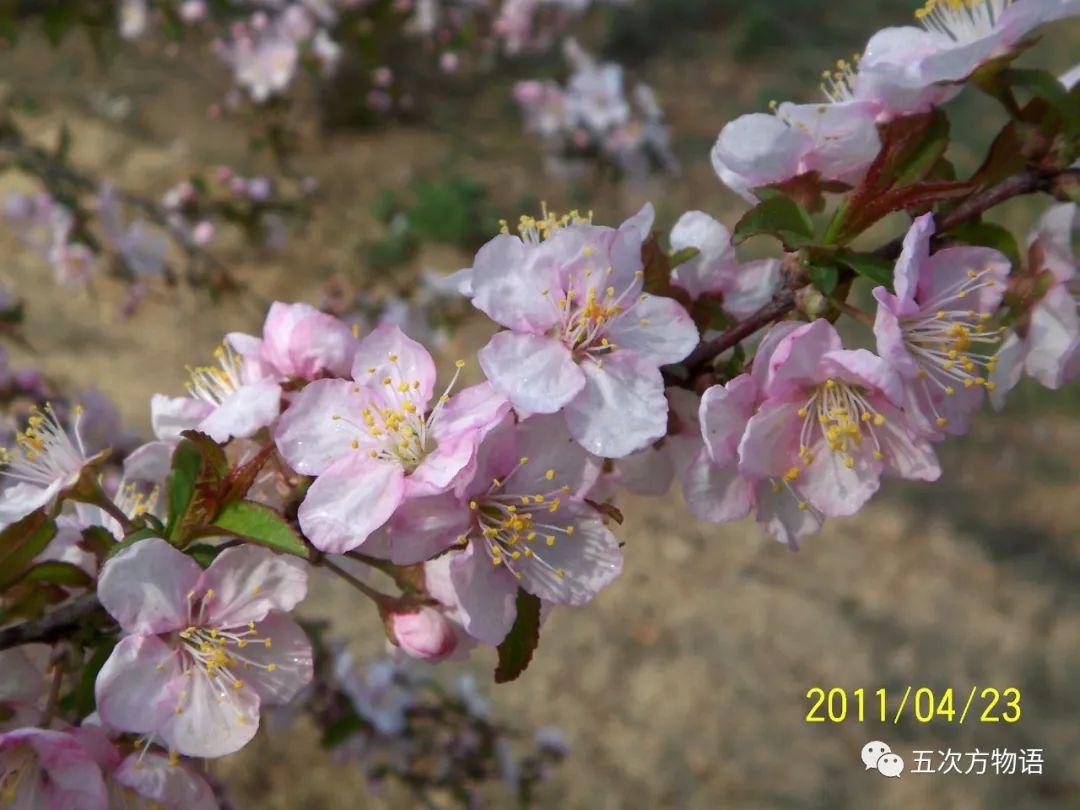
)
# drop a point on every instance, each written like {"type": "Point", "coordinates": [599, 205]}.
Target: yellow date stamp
{"type": "Point", "coordinates": [979, 704]}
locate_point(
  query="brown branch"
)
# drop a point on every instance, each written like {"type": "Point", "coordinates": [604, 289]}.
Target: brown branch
{"type": "Point", "coordinates": [1026, 182]}
{"type": "Point", "coordinates": [53, 626]}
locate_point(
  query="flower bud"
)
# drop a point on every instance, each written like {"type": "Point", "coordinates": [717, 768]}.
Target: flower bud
{"type": "Point", "coordinates": [423, 633]}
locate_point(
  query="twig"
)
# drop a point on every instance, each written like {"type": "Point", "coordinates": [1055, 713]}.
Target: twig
{"type": "Point", "coordinates": [1026, 182]}
{"type": "Point", "coordinates": [375, 596]}
{"type": "Point", "coordinates": [53, 626]}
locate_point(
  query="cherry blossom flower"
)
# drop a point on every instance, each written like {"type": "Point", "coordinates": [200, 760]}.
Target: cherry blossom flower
{"type": "Point", "coordinates": [263, 62]}
{"type": "Point", "coordinates": [302, 342]}
{"type": "Point", "coordinates": [583, 337]}
{"type": "Point", "coordinates": [40, 768]}
{"type": "Point", "coordinates": [705, 451]}
{"type": "Point", "coordinates": [1045, 344]}
{"type": "Point", "coordinates": [201, 650]}
{"type": "Point", "coordinates": [372, 442]}
{"type": "Point", "coordinates": [716, 269]}
{"type": "Point", "coordinates": [153, 781]}
{"type": "Point", "coordinates": [831, 421]}
{"type": "Point", "coordinates": [934, 330]}
{"type": "Point", "coordinates": [838, 140]}
{"type": "Point", "coordinates": [905, 67]}
{"type": "Point", "coordinates": [234, 399]}
{"type": "Point", "coordinates": [45, 462]}
{"type": "Point", "coordinates": [520, 522]}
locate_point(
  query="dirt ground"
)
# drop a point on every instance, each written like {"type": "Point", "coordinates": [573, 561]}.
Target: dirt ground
{"type": "Point", "coordinates": [684, 685]}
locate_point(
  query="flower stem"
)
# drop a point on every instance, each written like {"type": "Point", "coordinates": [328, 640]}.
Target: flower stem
{"type": "Point", "coordinates": [375, 596]}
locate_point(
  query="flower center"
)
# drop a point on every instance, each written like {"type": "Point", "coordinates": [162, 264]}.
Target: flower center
{"type": "Point", "coordinates": [962, 21]}
{"type": "Point", "coordinates": [43, 452]}
{"type": "Point", "coordinates": [509, 523]}
{"type": "Point", "coordinates": [837, 418]}
{"type": "Point", "coordinates": [535, 231]}
{"type": "Point", "coordinates": [838, 84]}
{"type": "Point", "coordinates": [951, 343]}
{"type": "Point", "coordinates": [214, 384]}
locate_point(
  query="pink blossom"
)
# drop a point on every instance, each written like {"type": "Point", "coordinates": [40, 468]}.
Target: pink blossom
{"type": "Point", "coordinates": [1045, 344]}
{"type": "Point", "coordinates": [373, 442]}
{"type": "Point", "coordinates": [716, 269]}
{"type": "Point", "coordinates": [45, 462]}
{"type": "Point", "coordinates": [905, 68]}
{"type": "Point", "coordinates": [521, 521]}
{"type": "Point", "coordinates": [40, 768]}
{"type": "Point", "coordinates": [153, 780]}
{"type": "Point", "coordinates": [201, 650]}
{"type": "Point", "coordinates": [934, 330]}
{"type": "Point", "coordinates": [583, 337]}
{"type": "Point", "coordinates": [839, 141]}
{"type": "Point", "coordinates": [302, 342]}
{"type": "Point", "coordinates": [831, 422]}
{"type": "Point", "coordinates": [263, 64]}
{"type": "Point", "coordinates": [705, 450]}
{"type": "Point", "coordinates": [422, 633]}
{"type": "Point", "coordinates": [234, 399]}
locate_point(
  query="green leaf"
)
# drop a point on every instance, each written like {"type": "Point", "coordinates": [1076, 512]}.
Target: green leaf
{"type": "Point", "coordinates": [683, 256]}
{"type": "Point", "coordinates": [987, 234]}
{"type": "Point", "coordinates": [779, 217]}
{"type": "Point", "coordinates": [869, 266]}
{"type": "Point", "coordinates": [180, 487]}
{"type": "Point", "coordinates": [1046, 86]}
{"type": "Point", "coordinates": [132, 539]}
{"type": "Point", "coordinates": [516, 650]}
{"type": "Point", "coordinates": [212, 453]}
{"type": "Point", "coordinates": [80, 700]}
{"type": "Point", "coordinates": [260, 524]}
{"type": "Point", "coordinates": [341, 729]}
{"type": "Point", "coordinates": [21, 542]}
{"type": "Point", "coordinates": [59, 573]}
{"type": "Point", "coordinates": [203, 553]}
{"type": "Point", "coordinates": [824, 277]}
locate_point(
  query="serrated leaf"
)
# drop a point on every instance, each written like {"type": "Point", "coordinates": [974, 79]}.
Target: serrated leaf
{"type": "Point", "coordinates": [260, 524]}
{"type": "Point", "coordinates": [212, 453]}
{"type": "Point", "coordinates": [58, 573]}
{"type": "Point", "coordinates": [187, 462]}
{"type": "Point", "coordinates": [683, 256]}
{"type": "Point", "coordinates": [779, 217]}
{"type": "Point", "coordinates": [916, 165]}
{"type": "Point", "coordinates": [869, 266]}
{"type": "Point", "coordinates": [21, 542]}
{"type": "Point", "coordinates": [824, 277]}
{"type": "Point", "coordinates": [239, 481]}
{"type": "Point", "coordinates": [516, 650]}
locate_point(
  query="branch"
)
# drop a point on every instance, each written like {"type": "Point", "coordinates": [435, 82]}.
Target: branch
{"type": "Point", "coordinates": [53, 626]}
{"type": "Point", "coordinates": [38, 161]}
{"type": "Point", "coordinates": [783, 301]}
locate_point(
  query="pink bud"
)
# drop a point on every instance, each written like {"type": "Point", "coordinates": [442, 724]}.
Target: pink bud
{"type": "Point", "coordinates": [424, 633]}
{"type": "Point", "coordinates": [203, 233]}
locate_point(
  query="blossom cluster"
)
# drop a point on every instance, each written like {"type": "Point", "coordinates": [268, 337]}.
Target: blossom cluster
{"type": "Point", "coordinates": [591, 117]}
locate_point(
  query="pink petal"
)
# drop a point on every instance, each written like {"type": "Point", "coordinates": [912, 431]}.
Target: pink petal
{"type": "Point", "coordinates": [290, 654]}
{"type": "Point", "coordinates": [771, 441]}
{"type": "Point", "coordinates": [647, 472]}
{"type": "Point", "coordinates": [442, 467]}
{"type": "Point", "coordinates": [779, 513]}
{"type": "Point", "coordinates": [723, 415]}
{"type": "Point", "coordinates": [948, 271]}
{"type": "Point", "coordinates": [907, 454]}
{"type": "Point", "coordinates": [310, 438]}
{"type": "Point", "coordinates": [413, 363]}
{"type": "Point", "coordinates": [301, 341]}
{"type": "Point", "coordinates": [170, 786]}
{"type": "Point", "coordinates": [248, 582]}
{"type": "Point", "coordinates": [132, 687]}
{"type": "Point", "coordinates": [757, 150]}
{"type": "Point", "coordinates": [425, 527]}
{"type": "Point", "coordinates": [890, 336]}
{"type": "Point", "coordinates": [18, 501]}
{"type": "Point", "coordinates": [622, 407]}
{"type": "Point", "coordinates": [796, 362]}
{"type": "Point", "coordinates": [655, 328]}
{"type": "Point", "coordinates": [171, 416]}
{"type": "Point", "coordinates": [716, 494]}
{"type": "Point", "coordinates": [349, 501]}
{"type": "Point", "coordinates": [509, 286]}
{"type": "Point", "coordinates": [244, 412]}
{"type": "Point", "coordinates": [712, 269]}
{"type": "Point", "coordinates": [753, 286]}
{"type": "Point", "coordinates": [915, 254]}
{"type": "Point", "coordinates": [763, 356]}
{"type": "Point", "coordinates": [538, 374]}
{"type": "Point", "coordinates": [864, 368]}
{"type": "Point", "coordinates": [1052, 336]}
{"type": "Point", "coordinates": [145, 587]}
{"type": "Point", "coordinates": [71, 779]}
{"type": "Point", "coordinates": [845, 137]}
{"type": "Point", "coordinates": [476, 408]}
{"type": "Point", "coordinates": [485, 595]}
{"type": "Point", "coordinates": [547, 444]}
{"type": "Point", "coordinates": [589, 559]}
{"type": "Point", "coordinates": [215, 718]}
{"type": "Point", "coordinates": [1008, 368]}
{"type": "Point", "coordinates": [835, 489]}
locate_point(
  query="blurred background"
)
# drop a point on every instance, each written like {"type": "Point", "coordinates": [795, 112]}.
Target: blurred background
{"type": "Point", "coordinates": [685, 684]}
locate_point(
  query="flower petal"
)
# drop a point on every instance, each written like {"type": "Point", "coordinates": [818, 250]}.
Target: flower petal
{"type": "Point", "coordinates": [622, 407]}
{"type": "Point", "coordinates": [309, 437]}
{"type": "Point", "coordinates": [655, 328]}
{"type": "Point", "coordinates": [244, 412]}
{"type": "Point", "coordinates": [536, 373]}
{"type": "Point", "coordinates": [132, 687]}
{"type": "Point", "coordinates": [279, 667]}
{"type": "Point", "coordinates": [485, 595]}
{"type": "Point", "coordinates": [349, 501]}
{"type": "Point", "coordinates": [213, 718]}
{"type": "Point", "coordinates": [412, 363]}
{"type": "Point", "coordinates": [248, 582]}
{"type": "Point", "coordinates": [145, 587]}
{"type": "Point", "coordinates": [171, 416]}
{"type": "Point", "coordinates": [711, 270]}
{"type": "Point", "coordinates": [509, 284]}
{"type": "Point", "coordinates": [716, 494]}
{"type": "Point", "coordinates": [576, 567]}
{"type": "Point", "coordinates": [170, 786]}
{"type": "Point", "coordinates": [771, 441]}
{"type": "Point", "coordinates": [425, 527]}
{"type": "Point", "coordinates": [723, 414]}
